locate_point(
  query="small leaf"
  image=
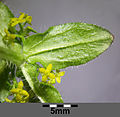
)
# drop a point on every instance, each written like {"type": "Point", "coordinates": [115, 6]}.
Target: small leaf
{"type": "Point", "coordinates": [44, 91]}
{"type": "Point", "coordinates": [4, 82]}
{"type": "Point", "coordinates": [5, 15]}
{"type": "Point", "coordinates": [67, 44]}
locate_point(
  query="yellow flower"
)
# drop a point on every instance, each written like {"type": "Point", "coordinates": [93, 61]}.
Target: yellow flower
{"type": "Point", "coordinates": [7, 100]}
{"type": "Point", "coordinates": [14, 22]}
{"type": "Point", "coordinates": [22, 15]}
{"type": "Point", "coordinates": [15, 91]}
{"type": "Point", "coordinates": [9, 37]}
{"type": "Point", "coordinates": [58, 76]}
{"type": "Point", "coordinates": [18, 98]}
{"type": "Point", "coordinates": [21, 19]}
{"type": "Point", "coordinates": [52, 81]}
{"type": "Point", "coordinates": [50, 77]}
{"type": "Point", "coordinates": [29, 19]}
{"type": "Point", "coordinates": [42, 70]}
{"type": "Point", "coordinates": [44, 78]}
{"type": "Point", "coordinates": [49, 69]}
{"type": "Point", "coordinates": [45, 72]}
{"type": "Point", "coordinates": [21, 95]}
{"type": "Point", "coordinates": [20, 85]}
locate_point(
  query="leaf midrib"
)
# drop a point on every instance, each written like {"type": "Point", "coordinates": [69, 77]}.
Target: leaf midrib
{"type": "Point", "coordinates": [44, 38]}
{"type": "Point", "coordinates": [68, 46]}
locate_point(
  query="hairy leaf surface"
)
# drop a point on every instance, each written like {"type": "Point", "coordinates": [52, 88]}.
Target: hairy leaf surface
{"type": "Point", "coordinates": [5, 15]}
{"type": "Point", "coordinates": [67, 44]}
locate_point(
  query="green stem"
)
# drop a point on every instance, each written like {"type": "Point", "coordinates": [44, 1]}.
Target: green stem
{"type": "Point", "coordinates": [20, 36]}
{"type": "Point", "coordinates": [21, 28]}
{"type": "Point", "coordinates": [14, 83]}
{"type": "Point", "coordinates": [24, 24]}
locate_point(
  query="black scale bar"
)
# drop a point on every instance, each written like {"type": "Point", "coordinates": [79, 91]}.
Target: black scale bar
{"type": "Point", "coordinates": [45, 105]}
{"type": "Point", "coordinates": [60, 105]}
{"type": "Point", "coordinates": [74, 105]}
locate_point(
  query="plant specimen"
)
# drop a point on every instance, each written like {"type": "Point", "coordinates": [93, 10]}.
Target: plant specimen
{"type": "Point", "coordinates": [61, 46]}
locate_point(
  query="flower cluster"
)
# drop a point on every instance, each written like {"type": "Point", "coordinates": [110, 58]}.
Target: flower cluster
{"type": "Point", "coordinates": [9, 37]}
{"type": "Point", "coordinates": [20, 95]}
{"type": "Point", "coordinates": [18, 33]}
{"type": "Point", "coordinates": [23, 18]}
{"type": "Point", "coordinates": [49, 76]}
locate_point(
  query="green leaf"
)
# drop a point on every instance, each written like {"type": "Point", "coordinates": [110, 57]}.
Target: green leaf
{"type": "Point", "coordinates": [69, 44]}
{"type": "Point", "coordinates": [5, 15]}
{"type": "Point", "coordinates": [44, 91]}
{"type": "Point", "coordinates": [12, 56]}
{"type": "Point", "coordinates": [4, 82]}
